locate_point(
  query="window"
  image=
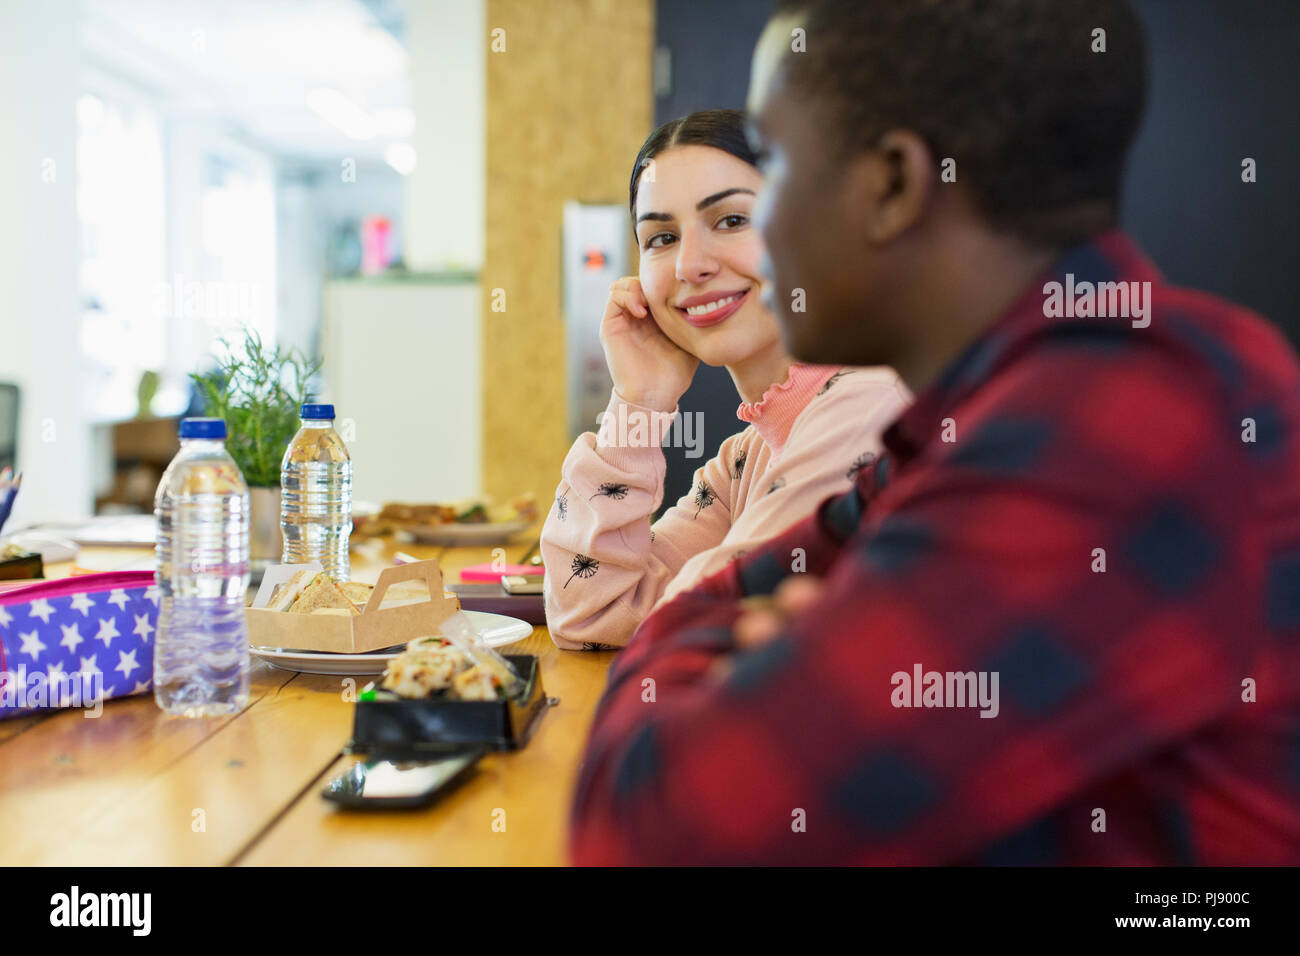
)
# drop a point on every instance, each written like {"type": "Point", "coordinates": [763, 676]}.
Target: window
{"type": "Point", "coordinates": [178, 249]}
{"type": "Point", "coordinates": [120, 205]}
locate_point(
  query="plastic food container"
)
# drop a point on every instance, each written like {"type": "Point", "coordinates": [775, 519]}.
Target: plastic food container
{"type": "Point", "coordinates": [406, 729]}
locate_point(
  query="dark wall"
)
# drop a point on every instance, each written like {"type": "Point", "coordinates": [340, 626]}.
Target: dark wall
{"type": "Point", "coordinates": [1225, 84]}
{"type": "Point", "coordinates": [711, 42]}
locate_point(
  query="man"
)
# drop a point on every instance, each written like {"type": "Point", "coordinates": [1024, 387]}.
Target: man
{"type": "Point", "coordinates": [1059, 621]}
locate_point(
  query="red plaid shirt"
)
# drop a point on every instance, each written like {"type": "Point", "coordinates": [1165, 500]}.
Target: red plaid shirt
{"type": "Point", "coordinates": [1105, 517]}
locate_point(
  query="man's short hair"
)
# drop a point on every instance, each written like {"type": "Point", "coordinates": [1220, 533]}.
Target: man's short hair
{"type": "Point", "coordinates": [1038, 120]}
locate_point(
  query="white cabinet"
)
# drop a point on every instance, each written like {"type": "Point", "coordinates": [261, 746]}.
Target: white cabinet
{"type": "Point", "coordinates": [403, 366]}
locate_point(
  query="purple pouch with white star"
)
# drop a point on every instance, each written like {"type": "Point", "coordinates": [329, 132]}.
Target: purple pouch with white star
{"type": "Point", "coordinates": [75, 642]}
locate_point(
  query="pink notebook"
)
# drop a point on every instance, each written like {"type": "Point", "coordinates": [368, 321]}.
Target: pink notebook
{"type": "Point", "coordinates": [484, 572]}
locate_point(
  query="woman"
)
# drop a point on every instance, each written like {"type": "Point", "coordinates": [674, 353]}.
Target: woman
{"type": "Point", "coordinates": [811, 428]}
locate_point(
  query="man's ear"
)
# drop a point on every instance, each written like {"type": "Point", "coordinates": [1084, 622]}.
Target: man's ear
{"type": "Point", "coordinates": [892, 185]}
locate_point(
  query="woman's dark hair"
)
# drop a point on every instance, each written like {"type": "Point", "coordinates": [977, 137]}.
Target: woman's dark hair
{"type": "Point", "coordinates": [721, 129]}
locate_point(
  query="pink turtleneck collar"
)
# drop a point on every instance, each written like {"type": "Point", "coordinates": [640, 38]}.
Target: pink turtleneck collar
{"type": "Point", "coordinates": [773, 415]}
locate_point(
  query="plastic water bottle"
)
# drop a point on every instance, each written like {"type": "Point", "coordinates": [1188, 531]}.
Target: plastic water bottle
{"type": "Point", "coordinates": [316, 495]}
{"type": "Point", "coordinates": [200, 661]}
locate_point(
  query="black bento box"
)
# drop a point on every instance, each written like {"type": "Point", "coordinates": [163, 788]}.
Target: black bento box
{"type": "Point", "coordinates": [406, 729]}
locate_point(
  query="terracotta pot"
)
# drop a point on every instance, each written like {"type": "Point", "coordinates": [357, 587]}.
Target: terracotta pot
{"type": "Point", "coordinates": [265, 542]}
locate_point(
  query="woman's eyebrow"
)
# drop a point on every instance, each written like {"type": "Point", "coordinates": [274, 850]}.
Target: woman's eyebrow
{"type": "Point", "coordinates": [708, 201]}
{"type": "Point", "coordinates": [703, 204]}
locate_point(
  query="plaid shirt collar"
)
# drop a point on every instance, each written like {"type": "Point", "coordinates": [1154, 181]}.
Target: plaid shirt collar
{"type": "Point", "coordinates": [1110, 257]}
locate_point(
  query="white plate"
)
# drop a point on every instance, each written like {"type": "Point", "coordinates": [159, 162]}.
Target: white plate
{"type": "Point", "coordinates": [456, 535]}
{"type": "Point", "coordinates": [496, 630]}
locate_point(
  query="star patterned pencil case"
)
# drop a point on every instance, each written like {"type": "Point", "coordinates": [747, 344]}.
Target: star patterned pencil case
{"type": "Point", "coordinates": [75, 642]}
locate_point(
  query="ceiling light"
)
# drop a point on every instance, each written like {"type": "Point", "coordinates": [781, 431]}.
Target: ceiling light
{"type": "Point", "coordinates": [396, 121]}
{"type": "Point", "coordinates": [341, 112]}
{"type": "Point", "coordinates": [401, 156]}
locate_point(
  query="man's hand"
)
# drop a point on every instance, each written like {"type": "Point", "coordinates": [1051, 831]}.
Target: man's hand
{"type": "Point", "coordinates": [766, 617]}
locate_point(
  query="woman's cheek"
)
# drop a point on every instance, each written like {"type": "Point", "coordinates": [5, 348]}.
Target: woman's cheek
{"type": "Point", "coordinates": [653, 283]}
{"type": "Point", "coordinates": [750, 256]}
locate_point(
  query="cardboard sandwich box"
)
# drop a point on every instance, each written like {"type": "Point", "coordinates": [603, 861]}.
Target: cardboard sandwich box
{"type": "Point", "coordinates": [386, 620]}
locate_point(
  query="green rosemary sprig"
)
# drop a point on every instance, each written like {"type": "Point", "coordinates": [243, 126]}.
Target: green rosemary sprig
{"type": "Point", "coordinates": [258, 391]}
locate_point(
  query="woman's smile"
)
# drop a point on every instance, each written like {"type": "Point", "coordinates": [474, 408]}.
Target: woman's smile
{"type": "Point", "coordinates": [710, 308]}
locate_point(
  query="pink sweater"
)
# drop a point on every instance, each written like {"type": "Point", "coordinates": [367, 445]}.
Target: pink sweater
{"type": "Point", "coordinates": [607, 568]}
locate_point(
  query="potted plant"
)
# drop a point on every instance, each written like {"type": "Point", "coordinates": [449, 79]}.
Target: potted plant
{"type": "Point", "coordinates": [258, 390]}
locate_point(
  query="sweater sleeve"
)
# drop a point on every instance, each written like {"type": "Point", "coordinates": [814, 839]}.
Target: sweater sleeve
{"type": "Point", "coordinates": [836, 436]}
{"type": "Point", "coordinates": [606, 567]}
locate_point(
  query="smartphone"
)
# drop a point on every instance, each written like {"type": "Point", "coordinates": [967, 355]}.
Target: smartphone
{"type": "Point", "coordinates": [517, 584]}
{"type": "Point", "coordinates": [395, 785]}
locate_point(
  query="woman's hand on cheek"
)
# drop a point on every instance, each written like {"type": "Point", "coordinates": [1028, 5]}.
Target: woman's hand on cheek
{"type": "Point", "coordinates": [647, 367]}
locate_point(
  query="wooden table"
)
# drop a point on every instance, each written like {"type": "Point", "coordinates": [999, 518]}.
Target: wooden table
{"type": "Point", "coordinates": [137, 787]}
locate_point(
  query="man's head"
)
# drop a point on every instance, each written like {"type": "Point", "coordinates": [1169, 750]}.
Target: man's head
{"type": "Point", "coordinates": [899, 135]}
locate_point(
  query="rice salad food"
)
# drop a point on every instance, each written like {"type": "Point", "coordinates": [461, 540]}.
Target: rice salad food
{"type": "Point", "coordinates": [436, 667]}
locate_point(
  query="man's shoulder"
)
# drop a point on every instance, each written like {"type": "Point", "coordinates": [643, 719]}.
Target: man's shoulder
{"type": "Point", "coordinates": [1237, 345]}
{"type": "Point", "coordinates": [1205, 381]}
{"type": "Point", "coordinates": [1188, 341]}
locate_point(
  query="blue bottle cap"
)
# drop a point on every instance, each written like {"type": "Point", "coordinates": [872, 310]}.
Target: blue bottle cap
{"type": "Point", "coordinates": [317, 412]}
{"type": "Point", "coordinates": [203, 428]}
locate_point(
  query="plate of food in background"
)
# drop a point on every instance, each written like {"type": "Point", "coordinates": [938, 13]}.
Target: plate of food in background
{"type": "Point", "coordinates": [472, 521]}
